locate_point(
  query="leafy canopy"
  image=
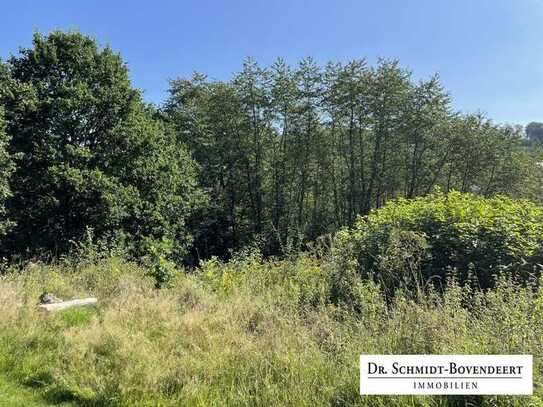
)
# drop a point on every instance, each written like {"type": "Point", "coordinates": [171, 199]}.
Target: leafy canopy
{"type": "Point", "coordinates": [91, 154]}
{"type": "Point", "coordinates": [6, 167]}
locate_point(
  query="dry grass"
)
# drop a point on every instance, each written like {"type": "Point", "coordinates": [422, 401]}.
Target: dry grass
{"type": "Point", "coordinates": [243, 333]}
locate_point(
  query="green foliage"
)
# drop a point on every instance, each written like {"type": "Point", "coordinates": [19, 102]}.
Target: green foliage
{"type": "Point", "coordinates": [89, 153]}
{"type": "Point", "coordinates": [246, 332]}
{"type": "Point", "coordinates": [282, 155]}
{"type": "Point", "coordinates": [160, 268]}
{"type": "Point", "coordinates": [298, 285]}
{"type": "Point", "coordinates": [534, 132]}
{"type": "Point", "coordinates": [6, 168]}
{"type": "Point", "coordinates": [275, 157]}
{"type": "Point", "coordinates": [290, 153]}
{"type": "Point", "coordinates": [407, 242]}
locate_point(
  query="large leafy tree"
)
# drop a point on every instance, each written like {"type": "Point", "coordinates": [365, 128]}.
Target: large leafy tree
{"type": "Point", "coordinates": [6, 166]}
{"type": "Point", "coordinates": [6, 162]}
{"type": "Point", "coordinates": [534, 131]}
{"type": "Point", "coordinates": [291, 153]}
{"type": "Point", "coordinates": [90, 153]}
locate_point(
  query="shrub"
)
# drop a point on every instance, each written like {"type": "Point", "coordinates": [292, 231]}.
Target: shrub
{"type": "Point", "coordinates": [160, 267]}
{"type": "Point", "coordinates": [407, 242]}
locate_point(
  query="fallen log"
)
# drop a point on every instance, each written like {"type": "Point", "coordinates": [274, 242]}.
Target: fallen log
{"type": "Point", "coordinates": [67, 304]}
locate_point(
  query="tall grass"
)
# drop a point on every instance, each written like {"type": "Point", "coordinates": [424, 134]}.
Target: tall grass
{"type": "Point", "coordinates": [245, 333]}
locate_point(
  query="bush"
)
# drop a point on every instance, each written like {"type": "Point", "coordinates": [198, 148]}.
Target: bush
{"type": "Point", "coordinates": [160, 268]}
{"type": "Point", "coordinates": [408, 242]}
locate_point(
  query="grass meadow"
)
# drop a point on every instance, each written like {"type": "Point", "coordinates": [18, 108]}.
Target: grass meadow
{"type": "Point", "coordinates": [244, 333]}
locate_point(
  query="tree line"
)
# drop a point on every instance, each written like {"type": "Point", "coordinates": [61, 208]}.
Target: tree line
{"type": "Point", "coordinates": [275, 157]}
{"type": "Point", "coordinates": [291, 153]}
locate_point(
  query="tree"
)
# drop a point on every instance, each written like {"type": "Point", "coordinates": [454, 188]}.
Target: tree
{"type": "Point", "coordinates": [90, 154]}
{"type": "Point", "coordinates": [207, 117]}
{"type": "Point", "coordinates": [291, 153]}
{"type": "Point", "coordinates": [425, 121]}
{"type": "Point", "coordinates": [6, 160]}
{"type": "Point", "coordinates": [6, 168]}
{"type": "Point", "coordinates": [534, 131]}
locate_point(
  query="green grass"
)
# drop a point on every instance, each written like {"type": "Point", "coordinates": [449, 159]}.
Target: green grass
{"type": "Point", "coordinates": [12, 395]}
{"type": "Point", "coordinates": [16, 395]}
{"type": "Point", "coordinates": [244, 333]}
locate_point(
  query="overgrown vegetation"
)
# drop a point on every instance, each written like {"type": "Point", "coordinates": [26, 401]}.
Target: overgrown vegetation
{"type": "Point", "coordinates": [250, 238]}
{"type": "Point", "coordinates": [275, 157]}
{"type": "Point", "coordinates": [409, 242]}
{"type": "Point", "coordinates": [289, 153]}
{"type": "Point", "coordinates": [258, 332]}
{"type": "Point", "coordinates": [248, 332]}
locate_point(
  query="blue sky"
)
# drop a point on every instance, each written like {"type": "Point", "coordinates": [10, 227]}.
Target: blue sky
{"type": "Point", "coordinates": [489, 53]}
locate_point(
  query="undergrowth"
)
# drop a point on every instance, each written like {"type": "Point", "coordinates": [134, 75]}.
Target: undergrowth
{"type": "Point", "coordinates": [247, 332]}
